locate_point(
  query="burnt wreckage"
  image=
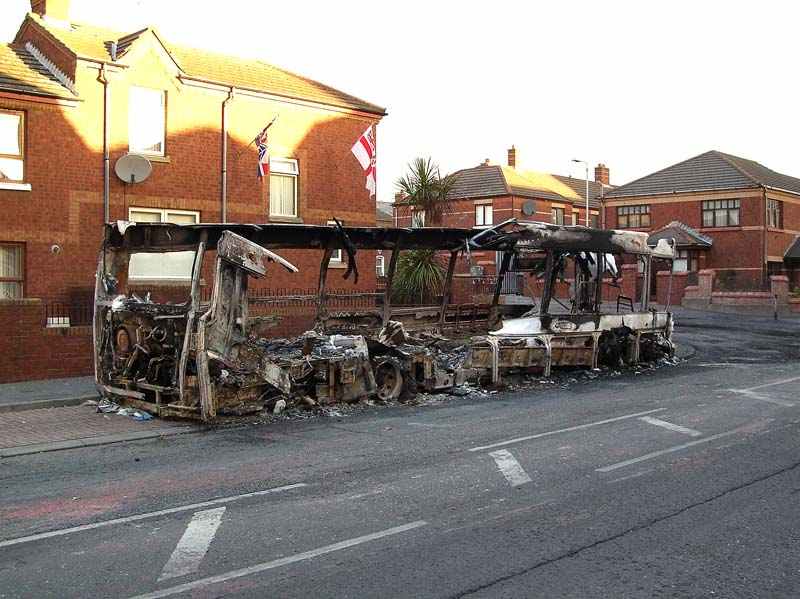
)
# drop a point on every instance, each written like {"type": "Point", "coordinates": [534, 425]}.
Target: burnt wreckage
{"type": "Point", "coordinates": [200, 359]}
{"type": "Point", "coordinates": [577, 333]}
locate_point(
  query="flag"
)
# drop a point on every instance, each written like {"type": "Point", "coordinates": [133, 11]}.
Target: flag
{"type": "Point", "coordinates": [263, 153]}
{"type": "Point", "coordinates": [364, 151]}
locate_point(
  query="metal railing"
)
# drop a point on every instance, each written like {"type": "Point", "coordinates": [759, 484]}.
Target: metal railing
{"type": "Point", "coordinates": [513, 284]}
{"type": "Point", "coordinates": [66, 314]}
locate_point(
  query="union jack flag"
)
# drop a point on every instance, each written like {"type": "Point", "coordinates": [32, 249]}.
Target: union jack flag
{"type": "Point", "coordinates": [263, 153]}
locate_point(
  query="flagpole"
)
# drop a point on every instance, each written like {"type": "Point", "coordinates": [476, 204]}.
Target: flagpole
{"type": "Point", "coordinates": [260, 133]}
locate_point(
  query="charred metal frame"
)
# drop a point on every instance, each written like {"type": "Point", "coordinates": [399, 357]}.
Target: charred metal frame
{"type": "Point", "coordinates": [208, 344]}
{"type": "Point", "coordinates": [579, 337]}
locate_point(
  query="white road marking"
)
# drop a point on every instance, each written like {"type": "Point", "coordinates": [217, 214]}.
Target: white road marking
{"type": "Point", "coordinates": [510, 468]}
{"type": "Point", "coordinates": [655, 454]}
{"type": "Point", "coordinates": [762, 397]}
{"type": "Point", "coordinates": [781, 382]}
{"type": "Point", "coordinates": [669, 426]}
{"type": "Point", "coordinates": [263, 567]}
{"type": "Point", "coordinates": [194, 544]}
{"type": "Point", "coordinates": [137, 517]}
{"type": "Point", "coordinates": [635, 475]}
{"type": "Point", "coordinates": [566, 430]}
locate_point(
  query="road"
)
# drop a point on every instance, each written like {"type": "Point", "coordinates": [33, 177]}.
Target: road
{"type": "Point", "coordinates": [679, 482]}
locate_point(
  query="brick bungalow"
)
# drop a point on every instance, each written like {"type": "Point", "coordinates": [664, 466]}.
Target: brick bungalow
{"type": "Point", "coordinates": [75, 98]}
{"type": "Point", "coordinates": [734, 220]}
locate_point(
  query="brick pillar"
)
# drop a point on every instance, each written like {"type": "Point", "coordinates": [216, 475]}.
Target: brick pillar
{"type": "Point", "coordinates": [630, 272]}
{"type": "Point", "coordinates": [779, 285]}
{"type": "Point", "coordinates": [705, 283]}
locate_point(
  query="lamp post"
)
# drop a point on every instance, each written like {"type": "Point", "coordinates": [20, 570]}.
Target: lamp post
{"type": "Point", "coordinates": [586, 165]}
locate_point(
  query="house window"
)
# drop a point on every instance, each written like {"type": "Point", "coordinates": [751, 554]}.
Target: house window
{"type": "Point", "coordinates": [594, 220]}
{"type": "Point", "coordinates": [775, 214]}
{"type": "Point", "coordinates": [380, 266]}
{"type": "Point", "coordinates": [483, 215]}
{"type": "Point", "coordinates": [12, 145]}
{"type": "Point", "coordinates": [283, 173]}
{"type": "Point", "coordinates": [685, 261]}
{"type": "Point", "coordinates": [336, 256]}
{"type": "Point", "coordinates": [147, 120]}
{"type": "Point", "coordinates": [417, 219]}
{"type": "Point", "coordinates": [12, 270]}
{"type": "Point", "coordinates": [558, 216]}
{"type": "Point", "coordinates": [163, 266]}
{"type": "Point", "coordinates": [721, 213]}
{"type": "Point", "coordinates": [632, 217]}
{"type": "Point", "coordinates": [574, 218]}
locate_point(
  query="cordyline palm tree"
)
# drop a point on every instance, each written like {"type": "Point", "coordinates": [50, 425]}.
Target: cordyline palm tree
{"type": "Point", "coordinates": [420, 274]}
{"type": "Point", "coordinates": [426, 189]}
{"type": "Point", "coordinates": [419, 277]}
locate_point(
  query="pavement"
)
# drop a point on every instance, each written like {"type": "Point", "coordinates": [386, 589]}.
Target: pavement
{"type": "Point", "coordinates": [31, 395]}
{"type": "Point", "coordinates": [674, 482]}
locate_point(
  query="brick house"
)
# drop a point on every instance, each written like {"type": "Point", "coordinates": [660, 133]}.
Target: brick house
{"type": "Point", "coordinates": [489, 194]}
{"type": "Point", "coordinates": [734, 220]}
{"type": "Point", "coordinates": [75, 98]}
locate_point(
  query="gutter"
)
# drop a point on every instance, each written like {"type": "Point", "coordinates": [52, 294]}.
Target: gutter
{"type": "Point", "coordinates": [224, 174]}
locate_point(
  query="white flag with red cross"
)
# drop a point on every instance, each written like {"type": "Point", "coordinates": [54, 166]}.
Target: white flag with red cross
{"type": "Point", "coordinates": [364, 151]}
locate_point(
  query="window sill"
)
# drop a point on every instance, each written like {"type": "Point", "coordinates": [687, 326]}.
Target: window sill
{"type": "Point", "coordinates": [153, 157]}
{"type": "Point", "coordinates": [285, 219]}
{"type": "Point", "coordinates": [336, 264]}
{"type": "Point", "coordinates": [136, 282]}
{"type": "Point", "coordinates": [726, 228]}
{"type": "Point", "coordinates": [12, 186]}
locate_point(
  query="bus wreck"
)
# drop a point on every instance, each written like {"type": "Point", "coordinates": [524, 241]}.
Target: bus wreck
{"type": "Point", "coordinates": [580, 332]}
{"type": "Point", "coordinates": [200, 359]}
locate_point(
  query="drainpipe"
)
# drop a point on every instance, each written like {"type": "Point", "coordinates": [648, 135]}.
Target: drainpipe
{"type": "Point", "coordinates": [103, 78]}
{"type": "Point", "coordinates": [224, 174]}
{"type": "Point", "coordinates": [764, 268]}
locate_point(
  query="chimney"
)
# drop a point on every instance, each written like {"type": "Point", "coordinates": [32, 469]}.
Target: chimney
{"type": "Point", "coordinates": [485, 162]}
{"type": "Point", "coordinates": [512, 157]}
{"type": "Point", "coordinates": [56, 10]}
{"type": "Point", "coordinates": [602, 174]}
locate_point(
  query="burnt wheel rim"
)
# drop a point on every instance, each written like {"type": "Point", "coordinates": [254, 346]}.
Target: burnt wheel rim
{"type": "Point", "coordinates": [389, 380]}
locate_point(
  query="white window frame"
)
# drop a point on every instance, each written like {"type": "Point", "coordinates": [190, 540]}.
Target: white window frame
{"type": "Point", "coordinates": [481, 215]}
{"type": "Point", "coordinates": [18, 280]}
{"type": "Point", "coordinates": [20, 144]}
{"type": "Point", "coordinates": [336, 256]}
{"type": "Point", "coordinates": [380, 265]}
{"type": "Point", "coordinates": [132, 124]}
{"type": "Point", "coordinates": [284, 167]}
{"type": "Point", "coordinates": [163, 212]}
{"type": "Point", "coordinates": [417, 219]}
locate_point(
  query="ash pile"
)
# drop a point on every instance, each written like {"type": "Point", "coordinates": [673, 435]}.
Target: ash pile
{"type": "Point", "coordinates": [315, 369]}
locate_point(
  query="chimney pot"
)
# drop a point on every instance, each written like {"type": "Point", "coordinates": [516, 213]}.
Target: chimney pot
{"type": "Point", "coordinates": [57, 10]}
{"type": "Point", "coordinates": [602, 174]}
{"type": "Point", "coordinates": [512, 157]}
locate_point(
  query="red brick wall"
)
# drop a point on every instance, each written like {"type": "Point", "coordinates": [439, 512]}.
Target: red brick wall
{"type": "Point", "coordinates": [32, 352]}
{"type": "Point", "coordinates": [736, 250]}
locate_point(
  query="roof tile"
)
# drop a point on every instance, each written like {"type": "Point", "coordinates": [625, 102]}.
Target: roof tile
{"type": "Point", "coordinates": [21, 72]}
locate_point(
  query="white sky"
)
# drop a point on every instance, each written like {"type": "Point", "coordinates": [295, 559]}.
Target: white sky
{"type": "Point", "coordinates": [637, 85]}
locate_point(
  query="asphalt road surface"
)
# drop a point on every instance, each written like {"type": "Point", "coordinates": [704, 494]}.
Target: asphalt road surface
{"type": "Point", "coordinates": [678, 482]}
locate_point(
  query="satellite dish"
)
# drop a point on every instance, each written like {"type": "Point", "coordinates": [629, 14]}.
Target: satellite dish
{"type": "Point", "coordinates": [529, 208]}
{"type": "Point", "coordinates": [133, 168]}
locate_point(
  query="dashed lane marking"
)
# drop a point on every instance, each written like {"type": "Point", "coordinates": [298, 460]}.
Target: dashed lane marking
{"type": "Point", "coordinates": [655, 454]}
{"type": "Point", "coordinates": [284, 561]}
{"type": "Point", "coordinates": [670, 426]}
{"type": "Point", "coordinates": [194, 544]}
{"type": "Point", "coordinates": [566, 430]}
{"type": "Point", "coordinates": [137, 517]}
{"type": "Point", "coordinates": [510, 468]}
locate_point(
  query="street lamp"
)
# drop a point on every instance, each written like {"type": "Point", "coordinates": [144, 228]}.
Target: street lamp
{"type": "Point", "coordinates": [586, 165]}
